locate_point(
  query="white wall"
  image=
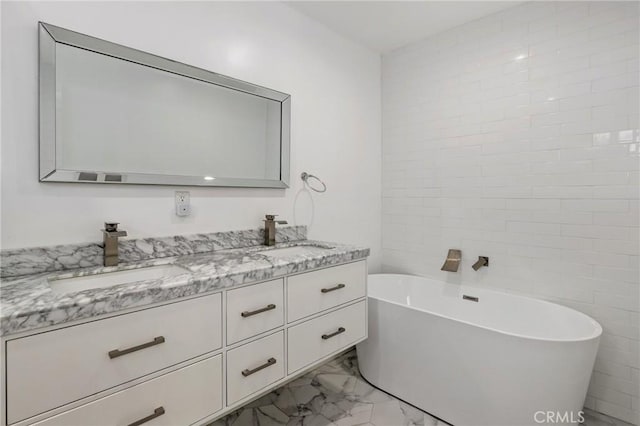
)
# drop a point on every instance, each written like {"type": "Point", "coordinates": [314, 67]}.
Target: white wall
{"type": "Point", "coordinates": [516, 137]}
{"type": "Point", "coordinates": [335, 88]}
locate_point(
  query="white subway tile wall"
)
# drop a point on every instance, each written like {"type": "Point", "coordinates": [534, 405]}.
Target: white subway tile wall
{"type": "Point", "coordinates": [516, 137]}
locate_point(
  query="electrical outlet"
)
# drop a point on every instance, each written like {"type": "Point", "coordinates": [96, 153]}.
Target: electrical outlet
{"type": "Point", "coordinates": [183, 203]}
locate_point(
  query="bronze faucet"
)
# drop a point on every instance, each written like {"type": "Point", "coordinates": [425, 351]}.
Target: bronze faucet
{"type": "Point", "coordinates": [452, 262]}
{"type": "Point", "coordinates": [270, 229]}
{"type": "Point", "coordinates": [110, 236]}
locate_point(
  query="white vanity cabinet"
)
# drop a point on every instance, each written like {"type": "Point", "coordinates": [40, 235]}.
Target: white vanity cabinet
{"type": "Point", "coordinates": [254, 366]}
{"type": "Point", "coordinates": [254, 309]}
{"type": "Point", "coordinates": [51, 369]}
{"type": "Point", "coordinates": [187, 361]}
{"type": "Point", "coordinates": [317, 291]}
{"type": "Point", "coordinates": [325, 335]}
{"type": "Point", "coordinates": [186, 395]}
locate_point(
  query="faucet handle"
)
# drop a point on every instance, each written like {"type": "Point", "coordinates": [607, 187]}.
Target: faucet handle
{"type": "Point", "coordinates": [111, 230]}
{"type": "Point", "coordinates": [273, 217]}
{"type": "Point", "coordinates": [111, 226]}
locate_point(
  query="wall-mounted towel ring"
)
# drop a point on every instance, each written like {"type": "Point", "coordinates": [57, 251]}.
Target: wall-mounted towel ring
{"type": "Point", "coordinates": [305, 178]}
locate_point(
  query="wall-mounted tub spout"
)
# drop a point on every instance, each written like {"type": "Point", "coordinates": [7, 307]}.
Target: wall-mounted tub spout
{"type": "Point", "coordinates": [452, 263]}
{"type": "Point", "coordinates": [482, 261]}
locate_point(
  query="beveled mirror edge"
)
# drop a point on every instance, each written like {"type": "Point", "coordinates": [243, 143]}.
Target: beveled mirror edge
{"type": "Point", "coordinates": [98, 45]}
{"type": "Point", "coordinates": [49, 35]}
{"type": "Point", "coordinates": [47, 102]}
{"type": "Point", "coordinates": [101, 177]}
{"type": "Point", "coordinates": [285, 141]}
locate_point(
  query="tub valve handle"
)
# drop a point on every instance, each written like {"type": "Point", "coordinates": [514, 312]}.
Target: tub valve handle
{"type": "Point", "coordinates": [482, 261]}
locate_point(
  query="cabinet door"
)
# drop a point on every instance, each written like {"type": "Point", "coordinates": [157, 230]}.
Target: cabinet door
{"type": "Point", "coordinates": [254, 309]}
{"type": "Point", "coordinates": [48, 370]}
{"type": "Point", "coordinates": [181, 397]}
{"type": "Point", "coordinates": [322, 336]}
{"type": "Point", "coordinates": [254, 366]}
{"type": "Point", "coordinates": [317, 291]}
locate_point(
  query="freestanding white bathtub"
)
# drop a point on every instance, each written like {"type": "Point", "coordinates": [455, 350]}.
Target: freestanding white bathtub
{"type": "Point", "coordinates": [500, 360]}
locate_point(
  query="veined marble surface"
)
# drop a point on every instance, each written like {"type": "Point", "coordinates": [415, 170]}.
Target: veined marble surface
{"type": "Point", "coordinates": [28, 261]}
{"type": "Point", "coordinates": [29, 302]}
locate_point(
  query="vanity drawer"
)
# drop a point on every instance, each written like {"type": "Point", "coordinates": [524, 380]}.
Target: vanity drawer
{"type": "Point", "coordinates": [322, 336]}
{"type": "Point", "coordinates": [317, 291]}
{"type": "Point", "coordinates": [254, 309]}
{"type": "Point", "coordinates": [54, 368]}
{"type": "Point", "coordinates": [181, 397]}
{"type": "Point", "coordinates": [254, 366]}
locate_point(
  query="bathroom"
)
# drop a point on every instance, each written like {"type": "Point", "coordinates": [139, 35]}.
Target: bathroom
{"type": "Point", "coordinates": [459, 182]}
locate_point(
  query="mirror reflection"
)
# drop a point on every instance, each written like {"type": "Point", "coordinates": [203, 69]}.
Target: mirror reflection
{"type": "Point", "coordinates": [126, 121]}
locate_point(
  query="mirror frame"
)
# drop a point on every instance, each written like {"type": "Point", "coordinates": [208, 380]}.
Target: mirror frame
{"type": "Point", "coordinates": [49, 35]}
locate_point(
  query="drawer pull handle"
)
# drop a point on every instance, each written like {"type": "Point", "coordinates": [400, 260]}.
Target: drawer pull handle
{"type": "Point", "coordinates": [338, 287]}
{"type": "Point", "coordinates": [258, 311]}
{"type": "Point", "coordinates": [335, 333]}
{"type": "Point", "coordinates": [269, 363]}
{"type": "Point", "coordinates": [156, 413]}
{"type": "Point", "coordinates": [117, 352]}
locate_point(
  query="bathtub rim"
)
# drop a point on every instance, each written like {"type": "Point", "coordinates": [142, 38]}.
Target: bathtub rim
{"type": "Point", "coordinates": [596, 335]}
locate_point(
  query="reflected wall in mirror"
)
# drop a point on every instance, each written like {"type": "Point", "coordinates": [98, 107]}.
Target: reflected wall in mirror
{"type": "Point", "coordinates": [112, 114]}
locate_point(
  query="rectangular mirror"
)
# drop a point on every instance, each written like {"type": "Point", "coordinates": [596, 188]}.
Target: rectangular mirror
{"type": "Point", "coordinates": [112, 114]}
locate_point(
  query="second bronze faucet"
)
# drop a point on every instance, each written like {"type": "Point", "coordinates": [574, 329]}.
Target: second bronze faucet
{"type": "Point", "coordinates": [270, 229]}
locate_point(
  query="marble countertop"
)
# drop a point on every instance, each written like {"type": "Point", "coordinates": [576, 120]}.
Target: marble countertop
{"type": "Point", "coordinates": [28, 302]}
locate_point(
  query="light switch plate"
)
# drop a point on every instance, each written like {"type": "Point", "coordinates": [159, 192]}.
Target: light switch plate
{"type": "Point", "coordinates": [183, 203]}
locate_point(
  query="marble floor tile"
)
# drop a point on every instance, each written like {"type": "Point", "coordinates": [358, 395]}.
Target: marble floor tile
{"type": "Point", "coordinates": [391, 413]}
{"type": "Point", "coordinates": [335, 394]}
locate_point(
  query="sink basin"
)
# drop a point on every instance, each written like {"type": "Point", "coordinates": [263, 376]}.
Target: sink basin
{"type": "Point", "coordinates": [293, 251]}
{"type": "Point", "coordinates": [109, 279]}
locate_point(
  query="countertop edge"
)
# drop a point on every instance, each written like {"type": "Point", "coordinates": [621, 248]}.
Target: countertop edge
{"type": "Point", "coordinates": [39, 317]}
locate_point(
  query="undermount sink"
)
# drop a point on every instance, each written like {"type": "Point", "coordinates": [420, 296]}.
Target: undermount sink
{"type": "Point", "coordinates": [293, 251]}
{"type": "Point", "coordinates": [109, 279]}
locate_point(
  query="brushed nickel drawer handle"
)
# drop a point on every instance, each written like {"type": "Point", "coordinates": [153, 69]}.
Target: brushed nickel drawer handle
{"type": "Point", "coordinates": [258, 311]}
{"type": "Point", "coordinates": [156, 413]}
{"type": "Point", "coordinates": [335, 333]}
{"type": "Point", "coordinates": [338, 287]}
{"type": "Point", "coordinates": [269, 363]}
{"type": "Point", "coordinates": [118, 352]}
